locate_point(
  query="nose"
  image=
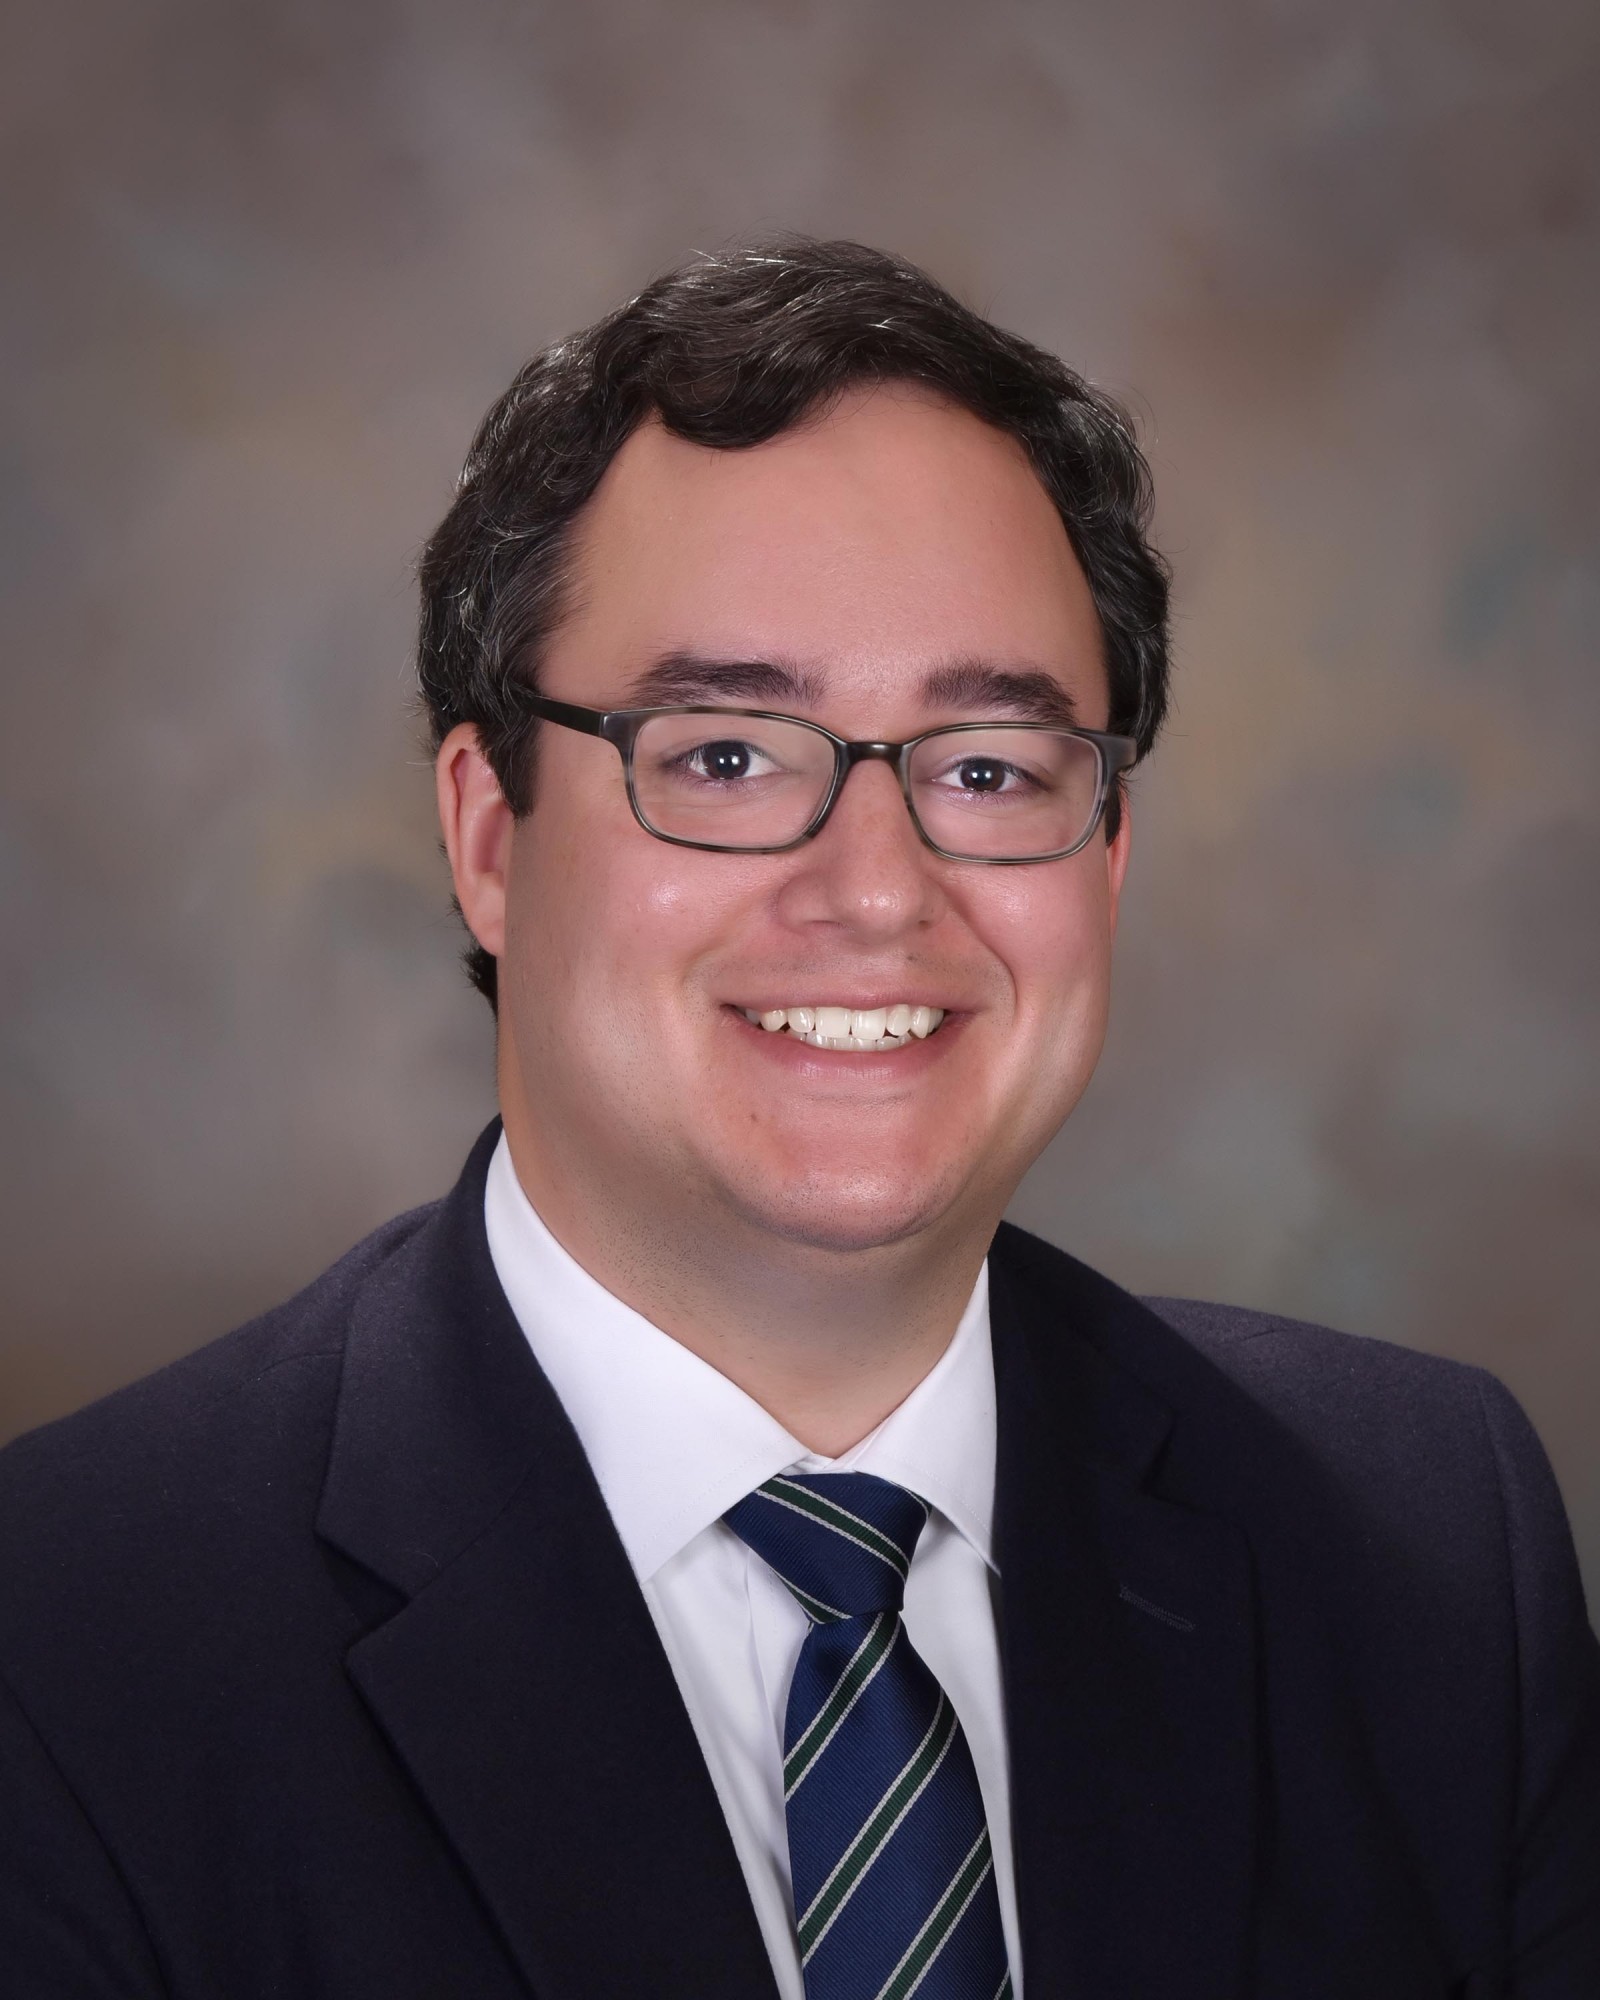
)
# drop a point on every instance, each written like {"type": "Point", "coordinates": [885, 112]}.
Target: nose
{"type": "Point", "coordinates": [867, 870]}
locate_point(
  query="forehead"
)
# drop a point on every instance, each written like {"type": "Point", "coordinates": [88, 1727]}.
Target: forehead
{"type": "Point", "coordinates": [887, 535]}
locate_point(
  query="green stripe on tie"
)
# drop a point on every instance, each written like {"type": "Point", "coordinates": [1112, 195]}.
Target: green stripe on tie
{"type": "Point", "coordinates": [787, 1494]}
{"type": "Point", "coordinates": [926, 1946]}
{"type": "Point", "coordinates": [874, 1836]}
{"type": "Point", "coordinates": [881, 1635]}
{"type": "Point", "coordinates": [814, 1608]}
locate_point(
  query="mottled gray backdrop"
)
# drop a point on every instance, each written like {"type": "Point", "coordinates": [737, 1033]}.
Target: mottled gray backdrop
{"type": "Point", "coordinates": [265, 264]}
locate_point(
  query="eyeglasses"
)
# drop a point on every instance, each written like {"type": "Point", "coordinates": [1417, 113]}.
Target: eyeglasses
{"type": "Point", "coordinates": [742, 781]}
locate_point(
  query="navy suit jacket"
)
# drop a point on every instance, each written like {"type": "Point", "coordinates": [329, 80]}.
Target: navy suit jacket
{"type": "Point", "coordinates": [325, 1674]}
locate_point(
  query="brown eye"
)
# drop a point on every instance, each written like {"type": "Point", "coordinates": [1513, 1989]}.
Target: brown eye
{"type": "Point", "coordinates": [980, 774]}
{"type": "Point", "coordinates": [726, 761]}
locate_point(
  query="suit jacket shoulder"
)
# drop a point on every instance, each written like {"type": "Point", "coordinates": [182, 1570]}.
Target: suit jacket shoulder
{"type": "Point", "coordinates": [1366, 1563]}
{"type": "Point", "coordinates": [200, 1440]}
{"type": "Point", "coordinates": [1387, 1424]}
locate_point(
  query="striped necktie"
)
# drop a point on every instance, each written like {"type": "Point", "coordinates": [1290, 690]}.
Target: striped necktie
{"type": "Point", "coordinates": [889, 1851]}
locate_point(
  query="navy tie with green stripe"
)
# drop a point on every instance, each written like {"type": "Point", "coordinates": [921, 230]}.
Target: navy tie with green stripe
{"type": "Point", "coordinates": [889, 1852]}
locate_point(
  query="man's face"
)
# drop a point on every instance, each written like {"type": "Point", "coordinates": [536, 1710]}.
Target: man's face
{"type": "Point", "coordinates": [874, 571]}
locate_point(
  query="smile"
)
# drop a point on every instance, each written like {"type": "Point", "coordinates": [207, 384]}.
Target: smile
{"type": "Point", "coordinates": [875, 1028]}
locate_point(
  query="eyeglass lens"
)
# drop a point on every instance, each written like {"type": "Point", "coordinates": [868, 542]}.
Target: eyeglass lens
{"type": "Point", "coordinates": [988, 793]}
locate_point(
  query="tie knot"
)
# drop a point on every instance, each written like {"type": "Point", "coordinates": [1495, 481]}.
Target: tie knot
{"type": "Point", "coordinates": [841, 1541]}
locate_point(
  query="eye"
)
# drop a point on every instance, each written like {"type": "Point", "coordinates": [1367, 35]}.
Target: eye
{"type": "Point", "coordinates": [723, 760]}
{"type": "Point", "coordinates": [982, 775]}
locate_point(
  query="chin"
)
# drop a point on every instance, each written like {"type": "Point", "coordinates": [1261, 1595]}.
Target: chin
{"type": "Point", "coordinates": [858, 1209]}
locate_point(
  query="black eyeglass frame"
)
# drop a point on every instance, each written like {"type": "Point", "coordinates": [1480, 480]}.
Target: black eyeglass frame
{"type": "Point", "coordinates": [620, 728]}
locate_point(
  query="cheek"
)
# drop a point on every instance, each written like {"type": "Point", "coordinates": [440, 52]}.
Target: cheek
{"type": "Point", "coordinates": [602, 908]}
{"type": "Point", "coordinates": [1051, 930]}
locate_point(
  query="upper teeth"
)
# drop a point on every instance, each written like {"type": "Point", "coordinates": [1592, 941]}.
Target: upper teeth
{"type": "Point", "coordinates": [851, 1028]}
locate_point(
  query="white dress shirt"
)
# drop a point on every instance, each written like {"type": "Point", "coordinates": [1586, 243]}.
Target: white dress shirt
{"type": "Point", "coordinates": [674, 1444]}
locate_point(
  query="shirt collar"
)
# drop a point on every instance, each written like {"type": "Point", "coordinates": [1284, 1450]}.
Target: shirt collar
{"type": "Point", "coordinates": [673, 1443]}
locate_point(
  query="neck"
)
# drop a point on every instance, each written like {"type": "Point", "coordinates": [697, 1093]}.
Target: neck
{"type": "Point", "coordinates": [827, 1341]}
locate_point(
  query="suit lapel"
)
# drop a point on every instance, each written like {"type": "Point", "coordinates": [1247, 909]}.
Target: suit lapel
{"type": "Point", "coordinates": [1128, 1641]}
{"type": "Point", "coordinates": [522, 1684]}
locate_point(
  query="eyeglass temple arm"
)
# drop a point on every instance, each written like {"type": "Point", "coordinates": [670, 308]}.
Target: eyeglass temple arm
{"type": "Point", "coordinates": [592, 721]}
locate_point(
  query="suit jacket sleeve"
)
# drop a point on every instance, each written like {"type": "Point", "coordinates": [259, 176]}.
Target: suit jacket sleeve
{"type": "Point", "coordinates": [1556, 1891]}
{"type": "Point", "coordinates": [68, 1928]}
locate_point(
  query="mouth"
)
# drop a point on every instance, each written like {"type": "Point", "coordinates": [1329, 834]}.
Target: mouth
{"type": "Point", "coordinates": [870, 1029]}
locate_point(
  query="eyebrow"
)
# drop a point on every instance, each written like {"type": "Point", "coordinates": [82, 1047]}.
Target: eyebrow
{"type": "Point", "coordinates": [685, 678]}
{"type": "Point", "coordinates": [1028, 694]}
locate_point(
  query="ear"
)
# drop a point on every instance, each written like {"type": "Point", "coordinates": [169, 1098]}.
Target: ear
{"type": "Point", "coordinates": [476, 823]}
{"type": "Point", "coordinates": [1117, 862]}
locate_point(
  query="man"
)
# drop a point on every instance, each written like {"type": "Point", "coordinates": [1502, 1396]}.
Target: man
{"type": "Point", "coordinates": [708, 1555]}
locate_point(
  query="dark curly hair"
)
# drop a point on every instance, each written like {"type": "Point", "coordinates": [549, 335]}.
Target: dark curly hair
{"type": "Point", "coordinates": [728, 351]}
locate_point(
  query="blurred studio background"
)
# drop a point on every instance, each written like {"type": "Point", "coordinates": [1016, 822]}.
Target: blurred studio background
{"type": "Point", "coordinates": [265, 265]}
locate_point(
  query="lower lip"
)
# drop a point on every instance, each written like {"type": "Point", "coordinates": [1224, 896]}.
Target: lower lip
{"type": "Point", "coordinates": [801, 1059]}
